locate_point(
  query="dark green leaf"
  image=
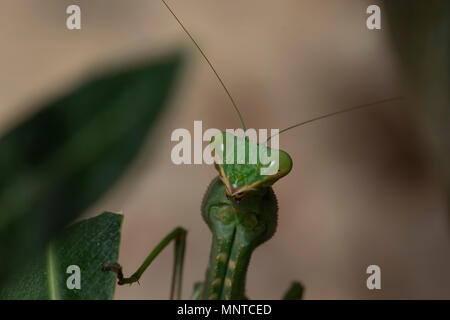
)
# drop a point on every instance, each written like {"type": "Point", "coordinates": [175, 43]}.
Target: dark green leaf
{"type": "Point", "coordinates": [420, 31]}
{"type": "Point", "coordinates": [295, 291]}
{"type": "Point", "coordinates": [54, 165]}
{"type": "Point", "coordinates": [87, 244]}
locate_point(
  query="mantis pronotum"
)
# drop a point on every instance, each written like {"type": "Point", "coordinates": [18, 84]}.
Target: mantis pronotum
{"type": "Point", "coordinates": [240, 208]}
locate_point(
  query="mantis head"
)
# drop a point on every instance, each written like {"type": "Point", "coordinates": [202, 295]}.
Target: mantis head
{"type": "Point", "coordinates": [245, 166]}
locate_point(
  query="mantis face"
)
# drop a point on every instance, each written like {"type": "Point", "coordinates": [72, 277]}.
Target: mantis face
{"type": "Point", "coordinates": [245, 166]}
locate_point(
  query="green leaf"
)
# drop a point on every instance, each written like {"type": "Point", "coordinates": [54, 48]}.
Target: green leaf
{"type": "Point", "coordinates": [54, 165]}
{"type": "Point", "coordinates": [87, 244]}
{"type": "Point", "coordinates": [295, 291]}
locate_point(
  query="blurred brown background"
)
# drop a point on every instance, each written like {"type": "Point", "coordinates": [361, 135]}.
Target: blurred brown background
{"type": "Point", "coordinates": [363, 189]}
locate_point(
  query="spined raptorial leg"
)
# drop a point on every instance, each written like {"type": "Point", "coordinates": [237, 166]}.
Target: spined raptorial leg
{"type": "Point", "coordinates": [179, 236]}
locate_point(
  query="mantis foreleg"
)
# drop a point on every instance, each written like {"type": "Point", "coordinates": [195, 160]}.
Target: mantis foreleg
{"type": "Point", "coordinates": [238, 227]}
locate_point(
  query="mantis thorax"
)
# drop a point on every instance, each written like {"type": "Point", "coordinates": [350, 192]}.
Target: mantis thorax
{"type": "Point", "coordinates": [240, 208]}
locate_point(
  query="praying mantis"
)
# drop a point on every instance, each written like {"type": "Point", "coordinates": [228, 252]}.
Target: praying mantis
{"type": "Point", "coordinates": [240, 209]}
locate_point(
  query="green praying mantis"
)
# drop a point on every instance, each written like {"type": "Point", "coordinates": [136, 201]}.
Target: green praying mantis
{"type": "Point", "coordinates": [240, 209]}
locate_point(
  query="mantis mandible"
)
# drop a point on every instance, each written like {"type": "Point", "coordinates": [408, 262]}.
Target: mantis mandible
{"type": "Point", "coordinates": [240, 209]}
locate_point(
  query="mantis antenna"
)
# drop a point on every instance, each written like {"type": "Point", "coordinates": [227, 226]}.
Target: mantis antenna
{"type": "Point", "coordinates": [210, 64]}
{"type": "Point", "coordinates": [361, 106]}
{"type": "Point", "coordinates": [235, 105]}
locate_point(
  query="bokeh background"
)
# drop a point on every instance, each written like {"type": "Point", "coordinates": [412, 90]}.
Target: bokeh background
{"type": "Point", "coordinates": [365, 188]}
